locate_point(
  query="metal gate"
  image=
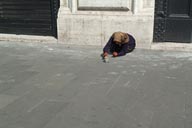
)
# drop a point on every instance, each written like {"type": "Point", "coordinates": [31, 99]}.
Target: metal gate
{"type": "Point", "coordinates": [29, 17]}
{"type": "Point", "coordinates": [173, 21]}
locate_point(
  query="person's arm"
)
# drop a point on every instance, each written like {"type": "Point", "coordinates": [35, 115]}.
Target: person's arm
{"type": "Point", "coordinates": [106, 49]}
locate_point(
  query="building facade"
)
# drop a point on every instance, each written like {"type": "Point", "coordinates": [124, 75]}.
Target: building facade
{"type": "Point", "coordinates": [92, 22]}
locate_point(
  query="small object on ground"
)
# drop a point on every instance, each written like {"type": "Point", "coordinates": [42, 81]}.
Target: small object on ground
{"type": "Point", "coordinates": [106, 59]}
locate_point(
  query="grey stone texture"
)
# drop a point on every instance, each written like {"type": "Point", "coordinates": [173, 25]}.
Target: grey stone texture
{"type": "Point", "coordinates": [64, 86]}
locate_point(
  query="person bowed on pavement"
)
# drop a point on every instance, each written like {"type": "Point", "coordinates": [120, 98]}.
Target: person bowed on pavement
{"type": "Point", "coordinates": [119, 44]}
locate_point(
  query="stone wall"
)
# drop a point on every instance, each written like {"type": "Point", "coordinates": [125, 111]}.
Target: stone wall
{"type": "Point", "coordinates": [86, 22]}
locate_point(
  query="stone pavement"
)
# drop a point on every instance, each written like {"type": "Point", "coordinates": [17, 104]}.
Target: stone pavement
{"type": "Point", "coordinates": [58, 86]}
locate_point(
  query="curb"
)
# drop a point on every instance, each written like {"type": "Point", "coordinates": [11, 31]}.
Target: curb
{"type": "Point", "coordinates": [172, 46]}
{"type": "Point", "coordinates": [27, 38]}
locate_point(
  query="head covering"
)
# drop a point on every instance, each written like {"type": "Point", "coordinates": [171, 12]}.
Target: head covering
{"type": "Point", "coordinates": [120, 37]}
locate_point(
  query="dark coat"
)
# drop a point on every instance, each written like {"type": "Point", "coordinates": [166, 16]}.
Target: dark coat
{"type": "Point", "coordinates": [111, 47]}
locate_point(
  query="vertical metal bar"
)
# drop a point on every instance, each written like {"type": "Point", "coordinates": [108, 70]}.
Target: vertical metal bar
{"type": "Point", "coordinates": [54, 11]}
{"type": "Point", "coordinates": [191, 9]}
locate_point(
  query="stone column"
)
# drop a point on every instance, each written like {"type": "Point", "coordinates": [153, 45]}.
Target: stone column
{"type": "Point", "coordinates": [137, 6]}
{"type": "Point", "coordinates": [63, 10]}
{"type": "Point", "coordinates": [74, 6]}
{"type": "Point", "coordinates": [63, 3]}
{"type": "Point", "coordinates": [64, 6]}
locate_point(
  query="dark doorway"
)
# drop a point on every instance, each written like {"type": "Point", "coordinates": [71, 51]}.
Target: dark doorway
{"type": "Point", "coordinates": [29, 17]}
{"type": "Point", "coordinates": [173, 21]}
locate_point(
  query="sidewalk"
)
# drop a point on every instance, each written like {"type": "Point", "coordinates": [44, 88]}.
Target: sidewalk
{"type": "Point", "coordinates": [59, 86]}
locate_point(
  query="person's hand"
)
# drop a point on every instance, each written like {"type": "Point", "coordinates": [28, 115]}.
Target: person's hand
{"type": "Point", "coordinates": [105, 54]}
{"type": "Point", "coordinates": [115, 54]}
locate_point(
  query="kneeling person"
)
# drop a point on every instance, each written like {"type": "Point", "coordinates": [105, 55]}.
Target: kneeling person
{"type": "Point", "coordinates": [119, 44]}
